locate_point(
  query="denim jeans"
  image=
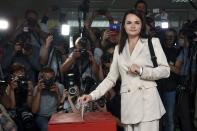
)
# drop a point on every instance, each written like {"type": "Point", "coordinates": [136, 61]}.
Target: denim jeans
{"type": "Point", "coordinates": [169, 101]}
{"type": "Point", "coordinates": [42, 123]}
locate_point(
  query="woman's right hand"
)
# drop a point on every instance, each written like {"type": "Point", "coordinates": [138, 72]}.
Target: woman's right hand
{"type": "Point", "coordinates": [84, 99]}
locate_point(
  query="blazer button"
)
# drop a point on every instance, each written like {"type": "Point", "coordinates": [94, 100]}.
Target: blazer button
{"type": "Point", "coordinates": [128, 90]}
{"type": "Point", "coordinates": [140, 88]}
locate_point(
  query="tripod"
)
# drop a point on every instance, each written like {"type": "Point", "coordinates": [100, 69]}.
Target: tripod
{"type": "Point", "coordinates": [55, 60]}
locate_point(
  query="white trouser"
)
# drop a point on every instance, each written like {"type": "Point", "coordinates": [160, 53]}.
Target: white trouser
{"type": "Point", "coordinates": [143, 126]}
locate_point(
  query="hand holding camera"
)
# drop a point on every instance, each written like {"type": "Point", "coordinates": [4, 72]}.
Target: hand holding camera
{"type": "Point", "coordinates": [40, 86]}
{"type": "Point", "coordinates": [75, 54]}
{"type": "Point", "coordinates": [13, 84]}
{"type": "Point", "coordinates": [49, 40]}
{"type": "Point", "coordinates": [54, 88]}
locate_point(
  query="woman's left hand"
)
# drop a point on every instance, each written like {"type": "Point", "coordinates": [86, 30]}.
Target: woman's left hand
{"type": "Point", "coordinates": [134, 69]}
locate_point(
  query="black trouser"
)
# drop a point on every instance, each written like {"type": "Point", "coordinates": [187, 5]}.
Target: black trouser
{"type": "Point", "coordinates": [183, 110]}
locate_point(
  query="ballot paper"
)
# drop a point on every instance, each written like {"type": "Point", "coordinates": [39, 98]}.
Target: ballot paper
{"type": "Point", "coordinates": [82, 111]}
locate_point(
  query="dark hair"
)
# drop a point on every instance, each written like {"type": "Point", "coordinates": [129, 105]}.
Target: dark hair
{"type": "Point", "coordinates": [47, 70]}
{"type": "Point", "coordinates": [174, 32]}
{"type": "Point", "coordinates": [143, 2]}
{"type": "Point", "coordinates": [27, 12]}
{"type": "Point", "coordinates": [23, 37]}
{"type": "Point", "coordinates": [16, 67]}
{"type": "Point", "coordinates": [123, 35]}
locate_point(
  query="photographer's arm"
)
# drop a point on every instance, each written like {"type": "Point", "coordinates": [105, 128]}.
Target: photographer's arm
{"type": "Point", "coordinates": [44, 51]}
{"type": "Point", "coordinates": [101, 74]}
{"type": "Point", "coordinates": [29, 94]}
{"type": "Point", "coordinates": [11, 94]}
{"type": "Point", "coordinates": [69, 61]}
{"type": "Point", "coordinates": [94, 65]}
{"type": "Point", "coordinates": [36, 98]}
{"type": "Point", "coordinates": [176, 68]}
{"type": "Point", "coordinates": [88, 24]}
{"type": "Point", "coordinates": [105, 36]}
{"type": "Point", "coordinates": [109, 17]}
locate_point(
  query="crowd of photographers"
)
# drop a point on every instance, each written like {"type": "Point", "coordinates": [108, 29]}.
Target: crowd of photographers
{"type": "Point", "coordinates": [41, 75]}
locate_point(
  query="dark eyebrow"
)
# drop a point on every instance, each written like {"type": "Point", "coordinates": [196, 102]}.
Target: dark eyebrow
{"type": "Point", "coordinates": [133, 21]}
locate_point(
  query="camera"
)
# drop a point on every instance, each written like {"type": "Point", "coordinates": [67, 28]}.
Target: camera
{"type": "Point", "coordinates": [84, 53]}
{"type": "Point", "coordinates": [49, 83]}
{"type": "Point", "coordinates": [22, 81]}
{"type": "Point", "coordinates": [3, 86]}
{"type": "Point", "coordinates": [72, 88]}
{"type": "Point", "coordinates": [26, 118]}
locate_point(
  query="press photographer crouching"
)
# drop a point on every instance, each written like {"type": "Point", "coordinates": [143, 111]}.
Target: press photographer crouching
{"type": "Point", "coordinates": [82, 64]}
{"type": "Point", "coordinates": [68, 102]}
{"type": "Point", "coordinates": [20, 91]}
{"type": "Point", "coordinates": [46, 97]}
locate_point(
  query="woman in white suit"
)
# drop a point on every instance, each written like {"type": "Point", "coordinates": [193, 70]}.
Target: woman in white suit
{"type": "Point", "coordinates": [141, 106]}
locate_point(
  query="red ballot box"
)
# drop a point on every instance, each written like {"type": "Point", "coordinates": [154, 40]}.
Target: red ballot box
{"type": "Point", "coordinates": [93, 121]}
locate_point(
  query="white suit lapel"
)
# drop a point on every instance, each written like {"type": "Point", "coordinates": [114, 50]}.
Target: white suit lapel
{"type": "Point", "coordinates": [137, 50]}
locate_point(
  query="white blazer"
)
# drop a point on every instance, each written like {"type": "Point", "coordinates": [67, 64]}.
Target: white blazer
{"type": "Point", "coordinates": [140, 100]}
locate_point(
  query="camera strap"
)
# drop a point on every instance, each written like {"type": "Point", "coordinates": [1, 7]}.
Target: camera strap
{"type": "Point", "coordinates": [152, 52]}
{"type": "Point", "coordinates": [1, 72]}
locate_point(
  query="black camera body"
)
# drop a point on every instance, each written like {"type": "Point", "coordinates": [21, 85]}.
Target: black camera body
{"type": "Point", "coordinates": [84, 53]}
{"type": "Point", "coordinates": [22, 82]}
{"type": "Point", "coordinates": [72, 88]}
{"type": "Point", "coordinates": [3, 86]}
{"type": "Point", "coordinates": [49, 83]}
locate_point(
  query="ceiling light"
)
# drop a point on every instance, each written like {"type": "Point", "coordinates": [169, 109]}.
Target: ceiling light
{"type": "Point", "coordinates": [65, 29]}
{"type": "Point", "coordinates": [4, 24]}
{"type": "Point", "coordinates": [181, 1]}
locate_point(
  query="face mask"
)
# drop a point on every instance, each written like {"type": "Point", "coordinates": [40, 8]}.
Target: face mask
{"type": "Point", "coordinates": [181, 42]}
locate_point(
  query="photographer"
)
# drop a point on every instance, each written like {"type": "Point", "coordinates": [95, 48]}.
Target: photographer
{"type": "Point", "coordinates": [110, 35]}
{"type": "Point", "coordinates": [95, 33]}
{"type": "Point", "coordinates": [20, 91]}
{"type": "Point", "coordinates": [46, 97]}
{"type": "Point", "coordinates": [82, 63]}
{"type": "Point", "coordinates": [22, 52]}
